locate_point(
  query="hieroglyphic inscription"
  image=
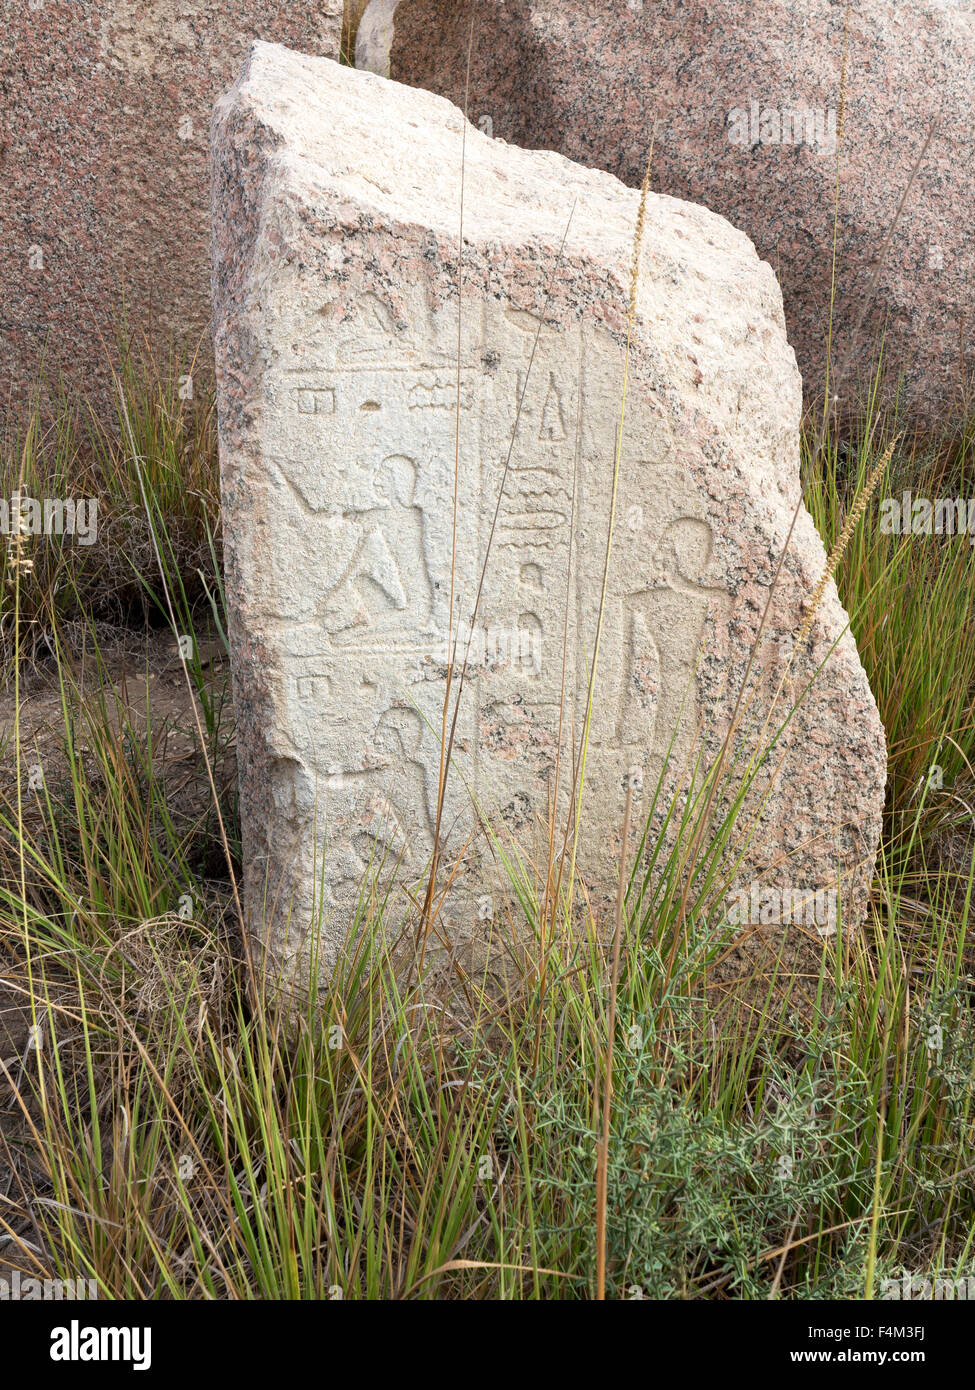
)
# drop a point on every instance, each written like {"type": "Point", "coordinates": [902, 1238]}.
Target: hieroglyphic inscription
{"type": "Point", "coordinates": [361, 434]}
{"type": "Point", "coordinates": [391, 463]}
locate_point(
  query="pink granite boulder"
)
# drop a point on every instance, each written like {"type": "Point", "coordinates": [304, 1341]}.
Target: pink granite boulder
{"type": "Point", "coordinates": [747, 103]}
{"type": "Point", "coordinates": [104, 112]}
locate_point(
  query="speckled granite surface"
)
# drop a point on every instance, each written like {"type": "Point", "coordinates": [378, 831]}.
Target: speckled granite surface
{"type": "Point", "coordinates": [104, 112]}
{"type": "Point", "coordinates": [722, 79]}
{"type": "Point", "coordinates": [337, 341]}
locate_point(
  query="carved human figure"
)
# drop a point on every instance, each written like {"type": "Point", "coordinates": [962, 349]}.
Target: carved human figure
{"type": "Point", "coordinates": [385, 581]}
{"type": "Point", "coordinates": [662, 624]}
{"type": "Point", "coordinates": [390, 818]}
